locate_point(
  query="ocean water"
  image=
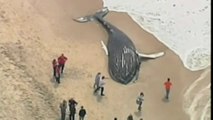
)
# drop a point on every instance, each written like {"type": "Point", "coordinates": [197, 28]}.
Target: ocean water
{"type": "Point", "coordinates": [184, 27]}
{"type": "Point", "coordinates": [197, 100]}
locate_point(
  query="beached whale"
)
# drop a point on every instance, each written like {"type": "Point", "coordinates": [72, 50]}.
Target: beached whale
{"type": "Point", "coordinates": [123, 59]}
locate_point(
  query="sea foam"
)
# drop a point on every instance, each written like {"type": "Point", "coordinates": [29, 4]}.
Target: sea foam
{"type": "Point", "coordinates": [197, 100]}
{"type": "Point", "coordinates": [183, 26]}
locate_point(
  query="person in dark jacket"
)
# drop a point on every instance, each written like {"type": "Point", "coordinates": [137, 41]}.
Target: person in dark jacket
{"type": "Point", "coordinates": [58, 74]}
{"type": "Point", "coordinates": [61, 61]}
{"type": "Point", "coordinates": [72, 104]}
{"type": "Point", "coordinates": [82, 113]}
{"type": "Point", "coordinates": [130, 117]}
{"type": "Point", "coordinates": [63, 107]}
{"type": "Point", "coordinates": [54, 63]}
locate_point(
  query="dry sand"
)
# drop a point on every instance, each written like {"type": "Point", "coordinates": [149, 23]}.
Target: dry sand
{"type": "Point", "coordinates": [33, 32]}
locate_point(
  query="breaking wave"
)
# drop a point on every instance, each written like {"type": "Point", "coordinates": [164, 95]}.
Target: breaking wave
{"type": "Point", "coordinates": [184, 27]}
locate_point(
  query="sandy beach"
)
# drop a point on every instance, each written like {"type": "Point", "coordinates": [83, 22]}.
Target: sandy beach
{"type": "Point", "coordinates": [34, 32]}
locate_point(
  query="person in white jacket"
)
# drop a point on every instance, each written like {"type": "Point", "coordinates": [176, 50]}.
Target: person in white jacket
{"type": "Point", "coordinates": [101, 85]}
{"type": "Point", "coordinates": [140, 100]}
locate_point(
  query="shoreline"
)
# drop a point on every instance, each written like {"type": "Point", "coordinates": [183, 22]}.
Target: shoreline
{"type": "Point", "coordinates": [190, 54]}
{"type": "Point", "coordinates": [45, 29]}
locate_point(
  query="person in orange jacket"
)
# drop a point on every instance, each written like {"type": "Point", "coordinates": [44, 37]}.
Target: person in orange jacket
{"type": "Point", "coordinates": [61, 61]}
{"type": "Point", "coordinates": [167, 85]}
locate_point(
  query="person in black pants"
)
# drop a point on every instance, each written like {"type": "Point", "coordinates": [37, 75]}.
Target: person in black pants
{"type": "Point", "coordinates": [82, 113]}
{"type": "Point", "coordinates": [63, 107]}
{"type": "Point", "coordinates": [54, 63]}
{"type": "Point", "coordinates": [72, 104]}
{"type": "Point", "coordinates": [58, 74]}
{"type": "Point", "coordinates": [61, 61]}
{"type": "Point", "coordinates": [140, 100]}
{"type": "Point", "coordinates": [130, 117]}
{"type": "Point", "coordinates": [101, 85]}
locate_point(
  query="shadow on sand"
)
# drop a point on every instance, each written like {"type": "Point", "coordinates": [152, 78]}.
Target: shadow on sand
{"type": "Point", "coordinates": [138, 113]}
{"type": "Point", "coordinates": [165, 100]}
{"type": "Point", "coordinates": [98, 96]}
{"type": "Point", "coordinates": [53, 81]}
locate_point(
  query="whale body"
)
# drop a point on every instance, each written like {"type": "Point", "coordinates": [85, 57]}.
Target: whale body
{"type": "Point", "coordinates": [123, 59]}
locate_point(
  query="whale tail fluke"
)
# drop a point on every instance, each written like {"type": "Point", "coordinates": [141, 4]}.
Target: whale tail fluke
{"type": "Point", "coordinates": [150, 56]}
{"type": "Point", "coordinates": [101, 13]}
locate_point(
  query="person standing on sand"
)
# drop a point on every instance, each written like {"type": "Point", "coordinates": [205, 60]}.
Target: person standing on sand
{"type": "Point", "coordinates": [58, 74]}
{"type": "Point", "coordinates": [61, 61]}
{"type": "Point", "coordinates": [63, 107]}
{"type": "Point", "coordinates": [167, 85]}
{"type": "Point", "coordinates": [72, 104]}
{"type": "Point", "coordinates": [82, 113]}
{"type": "Point", "coordinates": [97, 79]}
{"type": "Point", "coordinates": [101, 85]}
{"type": "Point", "coordinates": [54, 63]}
{"type": "Point", "coordinates": [130, 117]}
{"type": "Point", "coordinates": [140, 100]}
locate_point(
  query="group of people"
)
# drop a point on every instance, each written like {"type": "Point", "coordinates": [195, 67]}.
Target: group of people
{"type": "Point", "coordinates": [72, 110]}
{"type": "Point", "coordinates": [140, 98]}
{"type": "Point", "coordinates": [99, 83]}
{"type": "Point", "coordinates": [130, 117]}
{"type": "Point", "coordinates": [139, 101]}
{"type": "Point", "coordinates": [58, 67]}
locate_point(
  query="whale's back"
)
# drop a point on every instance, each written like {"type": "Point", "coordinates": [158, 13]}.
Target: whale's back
{"type": "Point", "coordinates": [124, 62]}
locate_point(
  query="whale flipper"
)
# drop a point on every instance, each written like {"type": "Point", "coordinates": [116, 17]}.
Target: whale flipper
{"type": "Point", "coordinates": [104, 47]}
{"type": "Point", "coordinates": [151, 56]}
{"type": "Point", "coordinates": [82, 19]}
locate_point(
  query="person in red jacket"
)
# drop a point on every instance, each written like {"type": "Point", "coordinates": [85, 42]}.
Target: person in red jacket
{"type": "Point", "coordinates": [167, 85]}
{"type": "Point", "coordinates": [61, 61]}
{"type": "Point", "coordinates": [54, 63]}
